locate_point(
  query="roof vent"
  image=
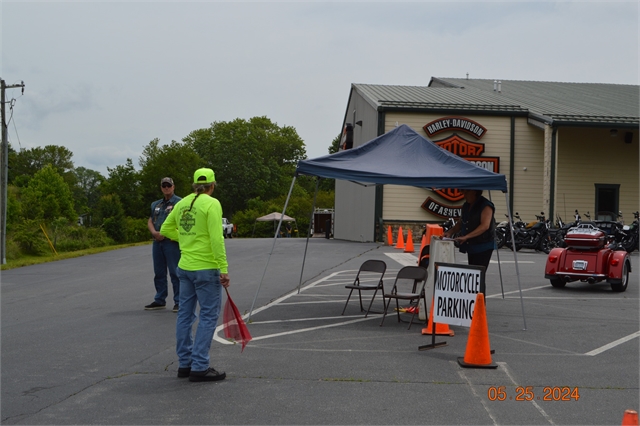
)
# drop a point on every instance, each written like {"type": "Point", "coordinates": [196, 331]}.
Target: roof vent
{"type": "Point", "coordinates": [495, 85]}
{"type": "Point", "coordinates": [499, 86]}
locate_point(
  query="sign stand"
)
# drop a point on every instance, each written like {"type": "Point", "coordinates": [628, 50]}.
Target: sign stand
{"type": "Point", "coordinates": [433, 344]}
{"type": "Point", "coordinates": [454, 289]}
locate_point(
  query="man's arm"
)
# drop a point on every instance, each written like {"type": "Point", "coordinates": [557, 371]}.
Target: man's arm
{"type": "Point", "coordinates": [155, 234]}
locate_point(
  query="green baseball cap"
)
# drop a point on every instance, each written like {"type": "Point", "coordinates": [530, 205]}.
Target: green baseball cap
{"type": "Point", "coordinates": [204, 176]}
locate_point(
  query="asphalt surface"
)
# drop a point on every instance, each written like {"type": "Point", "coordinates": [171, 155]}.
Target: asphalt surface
{"type": "Point", "coordinates": [78, 348]}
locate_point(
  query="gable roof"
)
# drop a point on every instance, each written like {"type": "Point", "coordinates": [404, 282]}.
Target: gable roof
{"type": "Point", "coordinates": [569, 104]}
{"type": "Point", "coordinates": [562, 102]}
{"type": "Point", "coordinates": [403, 157]}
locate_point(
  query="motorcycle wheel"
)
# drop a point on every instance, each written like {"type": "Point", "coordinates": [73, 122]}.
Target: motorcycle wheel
{"type": "Point", "coordinates": [545, 245]}
{"type": "Point", "coordinates": [618, 288]}
{"type": "Point", "coordinates": [557, 282]}
{"type": "Point", "coordinates": [630, 244]}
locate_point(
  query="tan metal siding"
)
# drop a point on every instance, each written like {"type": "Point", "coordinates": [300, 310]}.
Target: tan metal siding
{"type": "Point", "coordinates": [528, 195]}
{"type": "Point", "coordinates": [590, 156]}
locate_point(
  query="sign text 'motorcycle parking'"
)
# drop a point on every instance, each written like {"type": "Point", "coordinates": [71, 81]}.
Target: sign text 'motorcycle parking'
{"type": "Point", "coordinates": [456, 287]}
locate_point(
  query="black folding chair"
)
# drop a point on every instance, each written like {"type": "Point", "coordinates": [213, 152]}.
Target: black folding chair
{"type": "Point", "coordinates": [377, 269]}
{"type": "Point", "coordinates": [409, 286]}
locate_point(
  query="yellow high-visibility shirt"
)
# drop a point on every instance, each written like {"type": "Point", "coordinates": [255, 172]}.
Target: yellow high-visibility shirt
{"type": "Point", "coordinates": [198, 230]}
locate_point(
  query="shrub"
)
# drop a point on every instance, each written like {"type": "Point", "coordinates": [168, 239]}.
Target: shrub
{"type": "Point", "coordinates": [29, 237]}
{"type": "Point", "coordinates": [136, 230]}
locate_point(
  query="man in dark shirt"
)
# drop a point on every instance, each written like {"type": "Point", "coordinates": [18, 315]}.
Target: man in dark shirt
{"type": "Point", "coordinates": [165, 252]}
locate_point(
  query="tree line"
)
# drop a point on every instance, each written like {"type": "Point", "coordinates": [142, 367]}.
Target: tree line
{"type": "Point", "coordinates": [254, 161]}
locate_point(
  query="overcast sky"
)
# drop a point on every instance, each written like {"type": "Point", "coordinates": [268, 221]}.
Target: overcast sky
{"type": "Point", "coordinates": [105, 78]}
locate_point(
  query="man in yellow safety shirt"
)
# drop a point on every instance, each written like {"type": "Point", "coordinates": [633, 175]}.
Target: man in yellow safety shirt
{"type": "Point", "coordinates": [196, 223]}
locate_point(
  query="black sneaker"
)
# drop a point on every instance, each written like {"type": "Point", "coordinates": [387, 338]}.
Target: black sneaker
{"type": "Point", "coordinates": [183, 372]}
{"type": "Point", "coordinates": [209, 375]}
{"type": "Point", "coordinates": [176, 307]}
{"type": "Point", "coordinates": [154, 306]}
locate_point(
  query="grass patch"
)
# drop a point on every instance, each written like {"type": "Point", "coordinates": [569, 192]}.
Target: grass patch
{"type": "Point", "coordinates": [35, 260]}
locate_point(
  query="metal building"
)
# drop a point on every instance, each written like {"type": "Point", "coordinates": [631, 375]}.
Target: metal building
{"type": "Point", "coordinates": [562, 146]}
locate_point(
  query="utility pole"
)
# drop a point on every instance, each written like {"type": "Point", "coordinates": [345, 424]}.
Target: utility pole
{"type": "Point", "coordinates": [4, 165]}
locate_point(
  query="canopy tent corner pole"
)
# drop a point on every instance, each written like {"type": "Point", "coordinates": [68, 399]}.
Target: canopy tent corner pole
{"type": "Point", "coordinates": [275, 237]}
{"type": "Point", "coordinates": [497, 254]}
{"type": "Point", "coordinates": [515, 258]}
{"type": "Point", "coordinates": [313, 209]}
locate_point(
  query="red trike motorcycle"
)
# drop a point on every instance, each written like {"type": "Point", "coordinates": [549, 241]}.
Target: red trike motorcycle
{"type": "Point", "coordinates": [590, 256]}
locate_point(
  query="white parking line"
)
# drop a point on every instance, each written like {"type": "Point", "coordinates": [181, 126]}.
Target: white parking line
{"type": "Point", "coordinates": [613, 344]}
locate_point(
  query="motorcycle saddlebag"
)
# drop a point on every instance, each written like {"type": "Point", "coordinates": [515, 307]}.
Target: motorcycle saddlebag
{"type": "Point", "coordinates": [585, 238]}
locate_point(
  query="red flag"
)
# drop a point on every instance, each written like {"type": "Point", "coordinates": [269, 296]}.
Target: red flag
{"type": "Point", "coordinates": [234, 326]}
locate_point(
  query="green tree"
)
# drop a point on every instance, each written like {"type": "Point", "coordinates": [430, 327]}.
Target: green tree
{"type": "Point", "coordinates": [175, 160]}
{"type": "Point", "coordinates": [124, 181]}
{"type": "Point", "coordinates": [87, 189]}
{"type": "Point", "coordinates": [25, 163]}
{"type": "Point", "coordinates": [254, 158]}
{"type": "Point", "coordinates": [111, 217]}
{"type": "Point", "coordinates": [47, 196]}
{"type": "Point", "coordinates": [335, 145]}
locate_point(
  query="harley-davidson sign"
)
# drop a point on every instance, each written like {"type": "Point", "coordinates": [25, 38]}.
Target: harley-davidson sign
{"type": "Point", "coordinates": [441, 210]}
{"type": "Point", "coordinates": [471, 152]}
{"type": "Point", "coordinates": [455, 123]}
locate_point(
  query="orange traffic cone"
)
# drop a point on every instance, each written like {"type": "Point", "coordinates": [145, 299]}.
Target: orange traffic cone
{"type": "Point", "coordinates": [389, 236]}
{"type": "Point", "coordinates": [441, 329]}
{"type": "Point", "coordinates": [430, 231]}
{"type": "Point", "coordinates": [478, 353]}
{"type": "Point", "coordinates": [630, 418]}
{"type": "Point", "coordinates": [400, 243]}
{"type": "Point", "coordinates": [409, 247]}
{"type": "Point", "coordinates": [423, 242]}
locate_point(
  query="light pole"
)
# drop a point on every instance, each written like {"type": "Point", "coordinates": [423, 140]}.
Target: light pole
{"type": "Point", "coordinates": [4, 165]}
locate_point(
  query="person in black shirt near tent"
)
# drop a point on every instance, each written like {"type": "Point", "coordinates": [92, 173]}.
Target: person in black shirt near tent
{"type": "Point", "coordinates": [476, 227]}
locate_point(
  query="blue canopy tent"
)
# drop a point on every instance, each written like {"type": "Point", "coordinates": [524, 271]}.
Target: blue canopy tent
{"type": "Point", "coordinates": [403, 157]}
{"type": "Point", "coordinates": [400, 157]}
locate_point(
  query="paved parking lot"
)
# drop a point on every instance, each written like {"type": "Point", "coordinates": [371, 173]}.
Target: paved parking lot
{"type": "Point", "coordinates": [77, 347]}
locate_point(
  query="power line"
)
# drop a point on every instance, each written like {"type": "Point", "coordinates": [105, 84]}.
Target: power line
{"type": "Point", "coordinates": [4, 166]}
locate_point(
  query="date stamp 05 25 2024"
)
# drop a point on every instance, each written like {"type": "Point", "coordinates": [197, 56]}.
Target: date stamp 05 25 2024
{"type": "Point", "coordinates": [526, 393]}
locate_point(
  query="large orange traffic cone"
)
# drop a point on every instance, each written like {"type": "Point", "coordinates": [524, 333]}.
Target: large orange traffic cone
{"type": "Point", "coordinates": [441, 329]}
{"type": "Point", "coordinates": [430, 231]}
{"type": "Point", "coordinates": [630, 418]}
{"type": "Point", "coordinates": [409, 247]}
{"type": "Point", "coordinates": [478, 353]}
{"type": "Point", "coordinates": [389, 236]}
{"type": "Point", "coordinates": [400, 243]}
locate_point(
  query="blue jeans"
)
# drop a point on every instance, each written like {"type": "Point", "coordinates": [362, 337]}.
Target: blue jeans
{"type": "Point", "coordinates": [166, 255]}
{"type": "Point", "coordinates": [204, 288]}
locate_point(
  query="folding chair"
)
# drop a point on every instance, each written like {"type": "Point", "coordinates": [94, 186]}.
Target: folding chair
{"type": "Point", "coordinates": [409, 285]}
{"type": "Point", "coordinates": [373, 266]}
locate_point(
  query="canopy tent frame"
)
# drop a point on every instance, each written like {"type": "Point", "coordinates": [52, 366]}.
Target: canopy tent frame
{"type": "Point", "coordinates": [354, 165]}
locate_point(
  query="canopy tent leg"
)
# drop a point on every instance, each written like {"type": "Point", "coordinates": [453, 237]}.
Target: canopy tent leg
{"type": "Point", "coordinates": [515, 258]}
{"type": "Point", "coordinates": [313, 208]}
{"type": "Point", "coordinates": [497, 254]}
{"type": "Point", "coordinates": [275, 238]}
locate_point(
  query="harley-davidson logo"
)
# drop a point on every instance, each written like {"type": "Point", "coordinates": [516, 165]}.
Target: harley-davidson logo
{"type": "Point", "coordinates": [187, 221]}
{"type": "Point", "coordinates": [470, 151]}
{"type": "Point", "coordinates": [440, 209]}
{"type": "Point", "coordinates": [455, 123]}
{"type": "Point", "coordinates": [461, 147]}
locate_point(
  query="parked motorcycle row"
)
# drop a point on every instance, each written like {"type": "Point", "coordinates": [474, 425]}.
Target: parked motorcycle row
{"type": "Point", "coordinates": [542, 236]}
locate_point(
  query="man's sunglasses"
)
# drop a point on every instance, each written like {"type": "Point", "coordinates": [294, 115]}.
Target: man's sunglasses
{"type": "Point", "coordinates": [166, 185]}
